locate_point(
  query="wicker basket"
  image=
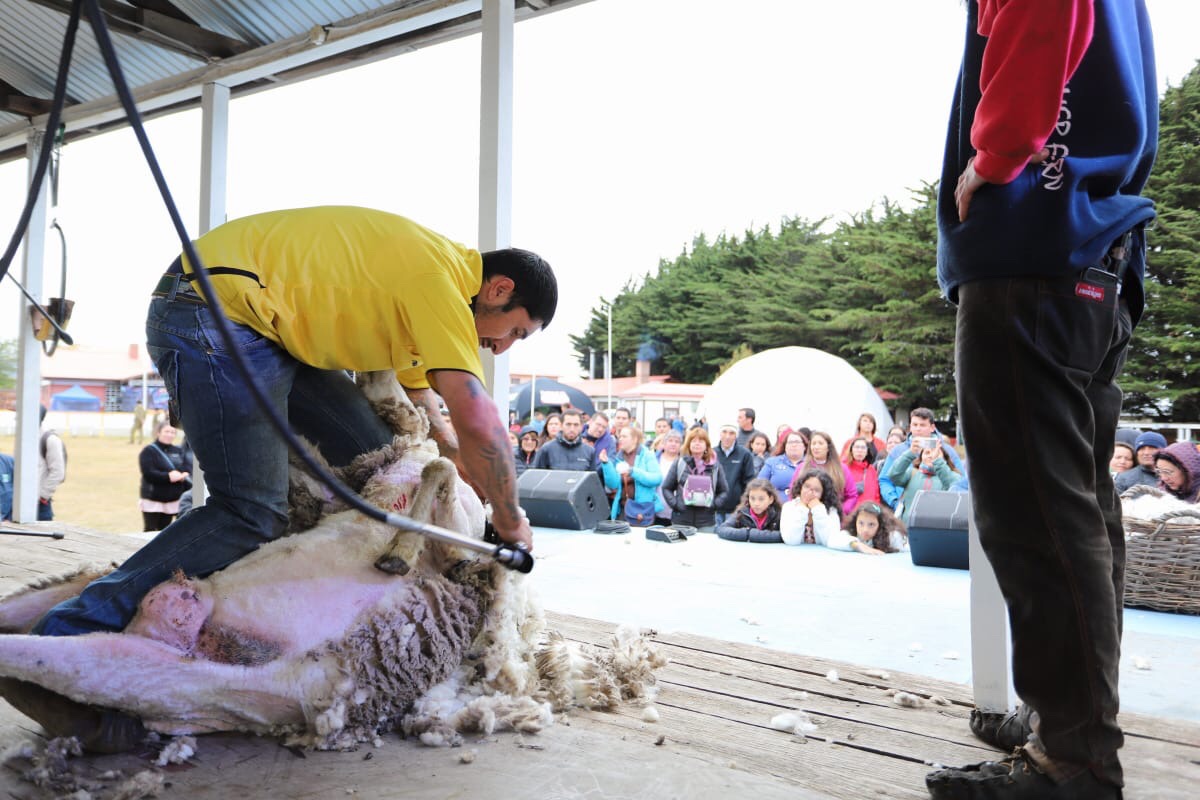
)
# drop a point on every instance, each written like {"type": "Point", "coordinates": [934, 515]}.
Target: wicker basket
{"type": "Point", "coordinates": [1162, 563]}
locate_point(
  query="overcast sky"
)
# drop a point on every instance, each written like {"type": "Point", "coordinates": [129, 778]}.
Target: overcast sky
{"type": "Point", "coordinates": [638, 126]}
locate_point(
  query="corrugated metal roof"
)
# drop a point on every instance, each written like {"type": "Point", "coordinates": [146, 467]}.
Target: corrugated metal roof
{"type": "Point", "coordinates": [170, 48]}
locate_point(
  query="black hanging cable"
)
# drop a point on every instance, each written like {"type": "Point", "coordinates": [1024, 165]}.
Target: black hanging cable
{"type": "Point", "coordinates": [59, 317]}
{"type": "Point", "coordinates": [39, 172]}
{"type": "Point", "coordinates": [60, 312]}
{"type": "Point", "coordinates": [511, 557]}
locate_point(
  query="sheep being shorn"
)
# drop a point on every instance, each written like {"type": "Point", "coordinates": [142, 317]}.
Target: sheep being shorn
{"type": "Point", "coordinates": [307, 638]}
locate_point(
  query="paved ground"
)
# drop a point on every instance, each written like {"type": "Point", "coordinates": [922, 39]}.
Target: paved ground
{"type": "Point", "coordinates": [875, 611]}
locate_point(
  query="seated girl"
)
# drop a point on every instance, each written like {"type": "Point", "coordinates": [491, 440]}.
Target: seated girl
{"type": "Point", "coordinates": [634, 475]}
{"type": "Point", "coordinates": [756, 519]}
{"type": "Point", "coordinates": [813, 515]}
{"type": "Point", "coordinates": [876, 529]}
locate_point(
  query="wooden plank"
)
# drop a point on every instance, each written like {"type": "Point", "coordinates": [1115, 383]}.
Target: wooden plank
{"type": "Point", "coordinates": [715, 704]}
{"type": "Point", "coordinates": [764, 663]}
{"type": "Point", "coordinates": [840, 771]}
{"type": "Point", "coordinates": [1163, 763]}
{"type": "Point", "coordinates": [894, 742]}
{"type": "Point", "coordinates": [806, 673]}
{"type": "Point", "coordinates": [931, 721]}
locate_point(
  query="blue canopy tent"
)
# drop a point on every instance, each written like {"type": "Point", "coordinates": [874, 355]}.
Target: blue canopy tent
{"type": "Point", "coordinates": [74, 399]}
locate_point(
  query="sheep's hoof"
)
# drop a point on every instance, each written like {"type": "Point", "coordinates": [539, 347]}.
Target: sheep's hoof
{"type": "Point", "coordinates": [392, 564]}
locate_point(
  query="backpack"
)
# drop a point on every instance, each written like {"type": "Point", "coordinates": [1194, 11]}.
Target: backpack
{"type": "Point", "coordinates": [42, 446]}
{"type": "Point", "coordinates": [6, 486]}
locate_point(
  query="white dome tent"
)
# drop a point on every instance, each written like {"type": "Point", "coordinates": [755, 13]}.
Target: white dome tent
{"type": "Point", "coordinates": [796, 386]}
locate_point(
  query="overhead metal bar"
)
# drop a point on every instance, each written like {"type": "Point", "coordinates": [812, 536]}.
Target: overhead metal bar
{"type": "Point", "coordinates": [367, 37]}
{"type": "Point", "coordinates": [163, 30]}
{"type": "Point", "coordinates": [253, 65]}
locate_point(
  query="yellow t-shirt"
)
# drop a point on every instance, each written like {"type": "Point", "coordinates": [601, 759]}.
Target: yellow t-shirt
{"type": "Point", "coordinates": [340, 287]}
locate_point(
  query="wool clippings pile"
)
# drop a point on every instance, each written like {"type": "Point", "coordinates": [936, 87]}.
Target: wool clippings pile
{"type": "Point", "coordinates": [52, 771]}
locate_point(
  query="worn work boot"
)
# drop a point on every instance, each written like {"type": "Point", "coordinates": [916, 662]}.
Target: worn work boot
{"type": "Point", "coordinates": [1022, 776]}
{"type": "Point", "coordinates": [99, 730]}
{"type": "Point", "coordinates": [1004, 731]}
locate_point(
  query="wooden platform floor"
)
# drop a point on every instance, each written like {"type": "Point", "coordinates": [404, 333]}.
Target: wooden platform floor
{"type": "Point", "coordinates": [713, 738]}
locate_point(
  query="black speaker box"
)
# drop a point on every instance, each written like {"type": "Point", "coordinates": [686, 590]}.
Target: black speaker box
{"type": "Point", "coordinates": [557, 498]}
{"type": "Point", "coordinates": [937, 529]}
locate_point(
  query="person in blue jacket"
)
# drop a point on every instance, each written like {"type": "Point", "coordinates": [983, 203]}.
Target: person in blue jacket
{"type": "Point", "coordinates": [781, 467]}
{"type": "Point", "coordinates": [6, 485]}
{"type": "Point", "coordinates": [1041, 245]}
{"type": "Point", "coordinates": [633, 475]}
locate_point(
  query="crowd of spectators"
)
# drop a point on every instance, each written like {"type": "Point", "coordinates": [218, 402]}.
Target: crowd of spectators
{"type": "Point", "coordinates": [798, 491]}
{"type": "Point", "coordinates": [1143, 458]}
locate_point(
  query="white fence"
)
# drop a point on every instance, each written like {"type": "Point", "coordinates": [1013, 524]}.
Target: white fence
{"type": "Point", "coordinates": [81, 423]}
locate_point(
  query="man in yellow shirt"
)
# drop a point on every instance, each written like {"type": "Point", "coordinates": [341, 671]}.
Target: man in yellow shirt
{"type": "Point", "coordinates": [310, 294]}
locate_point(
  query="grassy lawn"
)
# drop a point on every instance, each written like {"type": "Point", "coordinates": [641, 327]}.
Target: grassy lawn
{"type": "Point", "coordinates": [101, 489]}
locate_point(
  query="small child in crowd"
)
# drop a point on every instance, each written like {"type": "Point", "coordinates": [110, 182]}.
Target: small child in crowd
{"type": "Point", "coordinates": [813, 514]}
{"type": "Point", "coordinates": [877, 529]}
{"type": "Point", "coordinates": [756, 519]}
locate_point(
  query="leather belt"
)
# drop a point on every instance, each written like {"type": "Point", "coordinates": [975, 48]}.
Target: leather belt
{"type": "Point", "coordinates": [175, 288]}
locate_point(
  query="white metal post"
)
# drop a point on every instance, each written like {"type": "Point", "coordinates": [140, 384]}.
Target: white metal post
{"type": "Point", "coordinates": [495, 159]}
{"type": "Point", "coordinates": [214, 161]}
{"type": "Point", "coordinates": [989, 631]}
{"type": "Point", "coordinates": [29, 349]}
{"type": "Point", "coordinates": [608, 357]}
{"type": "Point", "coordinates": [214, 155]}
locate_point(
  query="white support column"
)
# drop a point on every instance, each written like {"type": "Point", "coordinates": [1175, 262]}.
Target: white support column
{"type": "Point", "coordinates": [495, 159]}
{"type": "Point", "coordinates": [214, 157]}
{"type": "Point", "coordinates": [29, 349]}
{"type": "Point", "coordinates": [989, 631]}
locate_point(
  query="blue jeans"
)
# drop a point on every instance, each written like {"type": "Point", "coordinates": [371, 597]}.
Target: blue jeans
{"type": "Point", "coordinates": [45, 510]}
{"type": "Point", "coordinates": [245, 462]}
{"type": "Point", "coordinates": [1038, 400]}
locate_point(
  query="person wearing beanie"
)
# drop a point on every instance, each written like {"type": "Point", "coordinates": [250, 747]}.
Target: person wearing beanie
{"type": "Point", "coordinates": [1128, 435]}
{"type": "Point", "coordinates": [1178, 469]}
{"type": "Point", "coordinates": [526, 449]}
{"type": "Point", "coordinates": [1144, 448]}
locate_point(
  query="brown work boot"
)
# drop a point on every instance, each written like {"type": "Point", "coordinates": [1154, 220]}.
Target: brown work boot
{"type": "Point", "coordinates": [1027, 774]}
{"type": "Point", "coordinates": [99, 730]}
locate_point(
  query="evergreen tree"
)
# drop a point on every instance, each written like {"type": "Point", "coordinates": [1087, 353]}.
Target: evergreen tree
{"type": "Point", "coordinates": [8, 363]}
{"type": "Point", "coordinates": [1162, 372]}
{"type": "Point", "coordinates": [868, 292]}
{"type": "Point", "coordinates": [894, 325]}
